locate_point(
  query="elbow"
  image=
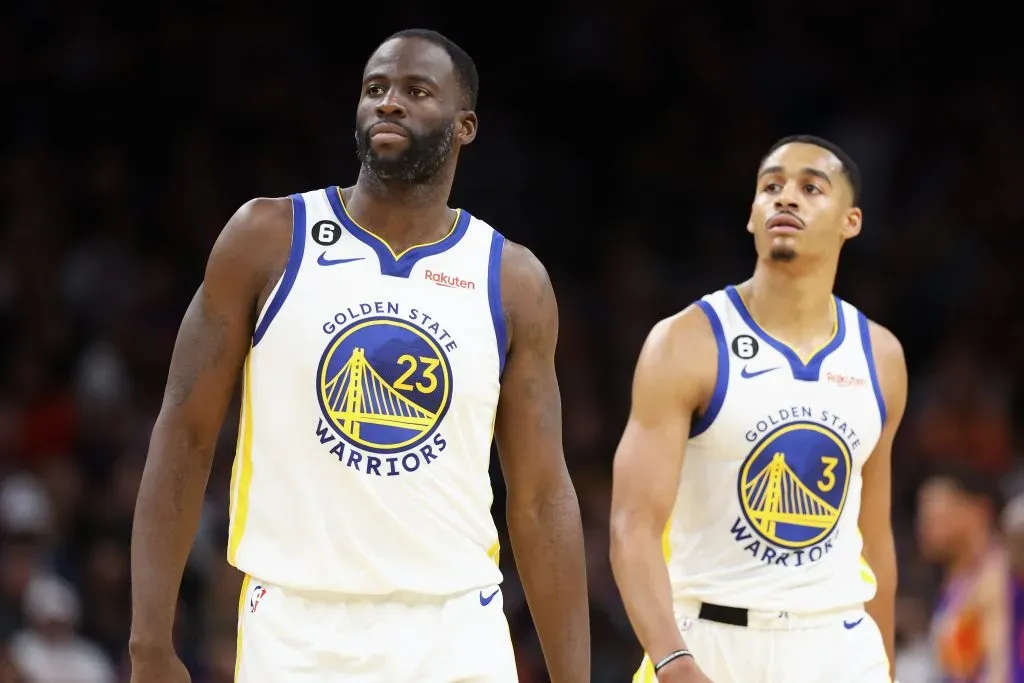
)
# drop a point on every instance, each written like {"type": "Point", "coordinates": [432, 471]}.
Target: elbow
{"type": "Point", "coordinates": [543, 505]}
{"type": "Point", "coordinates": [625, 534]}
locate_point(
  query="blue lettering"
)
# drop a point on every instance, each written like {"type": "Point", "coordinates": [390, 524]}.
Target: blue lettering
{"type": "Point", "coordinates": [411, 465]}
{"type": "Point", "coordinates": [354, 457]}
{"type": "Point", "coordinates": [393, 472]}
{"type": "Point", "coordinates": [339, 450]}
{"type": "Point", "coordinates": [754, 548]}
{"type": "Point", "coordinates": [440, 443]}
{"type": "Point", "coordinates": [811, 555]}
{"type": "Point", "coordinates": [739, 531]}
{"type": "Point", "coordinates": [428, 453]}
{"type": "Point", "coordinates": [372, 465]}
{"type": "Point", "coordinates": [322, 433]}
{"type": "Point", "coordinates": [365, 309]}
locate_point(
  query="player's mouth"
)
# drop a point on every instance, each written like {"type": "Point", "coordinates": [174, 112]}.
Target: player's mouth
{"type": "Point", "coordinates": [388, 132]}
{"type": "Point", "coordinates": [784, 224]}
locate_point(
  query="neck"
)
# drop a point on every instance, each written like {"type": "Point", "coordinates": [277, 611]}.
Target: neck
{"type": "Point", "coordinates": [971, 551]}
{"type": "Point", "coordinates": [789, 301]}
{"type": "Point", "coordinates": [400, 213]}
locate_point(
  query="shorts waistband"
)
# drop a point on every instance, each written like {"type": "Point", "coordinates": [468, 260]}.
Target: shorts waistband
{"type": "Point", "coordinates": [781, 620]}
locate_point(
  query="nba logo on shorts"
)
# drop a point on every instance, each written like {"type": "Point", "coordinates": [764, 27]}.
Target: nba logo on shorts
{"type": "Point", "coordinates": [255, 596]}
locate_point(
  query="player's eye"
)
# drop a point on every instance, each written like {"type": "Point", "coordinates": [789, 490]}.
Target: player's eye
{"type": "Point", "coordinates": [812, 189]}
{"type": "Point", "coordinates": [772, 187]}
{"type": "Point", "coordinates": [374, 90]}
{"type": "Point", "coordinates": [418, 92]}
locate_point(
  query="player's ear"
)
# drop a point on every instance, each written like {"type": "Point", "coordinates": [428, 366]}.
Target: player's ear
{"type": "Point", "coordinates": [852, 224]}
{"type": "Point", "coordinates": [466, 126]}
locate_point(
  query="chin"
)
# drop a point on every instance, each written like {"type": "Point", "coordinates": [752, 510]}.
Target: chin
{"type": "Point", "coordinates": [782, 254]}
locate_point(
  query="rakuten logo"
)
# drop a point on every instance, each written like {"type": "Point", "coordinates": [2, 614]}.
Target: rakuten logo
{"type": "Point", "coordinates": [452, 281]}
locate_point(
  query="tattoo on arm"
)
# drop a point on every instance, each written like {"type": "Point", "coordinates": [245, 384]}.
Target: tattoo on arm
{"type": "Point", "coordinates": [202, 346]}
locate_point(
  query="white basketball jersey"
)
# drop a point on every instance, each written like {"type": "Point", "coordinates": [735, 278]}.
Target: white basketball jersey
{"type": "Point", "coordinates": [368, 412]}
{"type": "Point", "coordinates": [766, 514]}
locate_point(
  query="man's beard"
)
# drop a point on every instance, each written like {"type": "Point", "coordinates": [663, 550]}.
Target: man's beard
{"type": "Point", "coordinates": [418, 164]}
{"type": "Point", "coordinates": [782, 254]}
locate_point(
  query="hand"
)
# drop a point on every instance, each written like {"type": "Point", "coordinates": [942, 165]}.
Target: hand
{"type": "Point", "coordinates": [159, 667]}
{"type": "Point", "coordinates": [682, 670]}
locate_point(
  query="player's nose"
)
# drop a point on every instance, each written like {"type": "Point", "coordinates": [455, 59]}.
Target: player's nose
{"type": "Point", "coordinates": [786, 200]}
{"type": "Point", "coordinates": [390, 106]}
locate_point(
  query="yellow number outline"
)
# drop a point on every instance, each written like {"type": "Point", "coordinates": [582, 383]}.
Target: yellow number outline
{"type": "Point", "coordinates": [829, 480]}
{"type": "Point", "coordinates": [427, 374]}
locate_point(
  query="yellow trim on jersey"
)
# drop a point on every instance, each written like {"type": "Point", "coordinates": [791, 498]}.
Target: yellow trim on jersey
{"type": "Point", "coordinates": [494, 552]}
{"type": "Point", "coordinates": [867, 574]}
{"type": "Point", "coordinates": [241, 469]}
{"type": "Point", "coordinates": [458, 214]}
{"type": "Point", "coordinates": [238, 635]}
{"type": "Point", "coordinates": [666, 541]}
{"type": "Point", "coordinates": [804, 359]}
{"type": "Point", "coordinates": [645, 674]}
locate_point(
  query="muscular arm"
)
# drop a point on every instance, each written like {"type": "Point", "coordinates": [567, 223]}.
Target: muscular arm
{"type": "Point", "coordinates": [211, 346]}
{"type": "Point", "coordinates": [543, 512]}
{"type": "Point", "coordinates": [875, 520]}
{"type": "Point", "coordinates": [675, 371]}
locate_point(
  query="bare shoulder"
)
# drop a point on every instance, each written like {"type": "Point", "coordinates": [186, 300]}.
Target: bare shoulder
{"type": "Point", "coordinates": [679, 356]}
{"type": "Point", "coordinates": [253, 246]}
{"type": "Point", "coordinates": [527, 296]}
{"type": "Point", "coordinates": [685, 340]}
{"type": "Point", "coordinates": [261, 227]}
{"type": "Point", "coordinates": [891, 366]}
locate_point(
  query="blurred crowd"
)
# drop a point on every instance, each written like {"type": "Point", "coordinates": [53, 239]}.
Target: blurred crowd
{"type": "Point", "coordinates": [618, 142]}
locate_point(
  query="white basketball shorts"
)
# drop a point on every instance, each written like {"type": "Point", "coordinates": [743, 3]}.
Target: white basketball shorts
{"type": "Point", "coordinates": [837, 647]}
{"type": "Point", "coordinates": [305, 637]}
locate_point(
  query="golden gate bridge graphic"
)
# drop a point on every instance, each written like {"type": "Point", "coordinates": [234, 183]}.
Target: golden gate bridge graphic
{"type": "Point", "coordinates": [356, 395]}
{"type": "Point", "coordinates": [777, 496]}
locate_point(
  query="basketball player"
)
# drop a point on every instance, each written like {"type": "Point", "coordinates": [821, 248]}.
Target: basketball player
{"type": "Point", "coordinates": [382, 336]}
{"type": "Point", "coordinates": [756, 458]}
{"type": "Point", "coordinates": [972, 624]}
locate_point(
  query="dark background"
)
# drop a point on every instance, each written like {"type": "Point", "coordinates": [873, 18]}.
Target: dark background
{"type": "Point", "coordinates": [618, 140]}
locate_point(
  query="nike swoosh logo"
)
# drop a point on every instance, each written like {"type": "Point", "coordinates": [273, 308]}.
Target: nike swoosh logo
{"type": "Point", "coordinates": [486, 601]}
{"type": "Point", "coordinates": [324, 261]}
{"type": "Point", "coordinates": [747, 375]}
{"type": "Point", "coordinates": [851, 624]}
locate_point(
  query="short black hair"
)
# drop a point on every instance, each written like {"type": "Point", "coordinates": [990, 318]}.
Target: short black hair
{"type": "Point", "coordinates": [970, 483]}
{"type": "Point", "coordinates": [849, 166]}
{"type": "Point", "coordinates": [465, 67]}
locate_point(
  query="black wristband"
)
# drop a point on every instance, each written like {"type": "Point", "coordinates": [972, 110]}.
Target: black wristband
{"type": "Point", "coordinates": [671, 658]}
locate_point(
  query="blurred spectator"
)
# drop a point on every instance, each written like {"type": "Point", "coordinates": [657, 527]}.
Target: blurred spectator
{"type": "Point", "coordinates": [48, 650]}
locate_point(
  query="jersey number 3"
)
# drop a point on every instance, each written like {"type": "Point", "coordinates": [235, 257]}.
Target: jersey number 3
{"type": "Point", "coordinates": [828, 474]}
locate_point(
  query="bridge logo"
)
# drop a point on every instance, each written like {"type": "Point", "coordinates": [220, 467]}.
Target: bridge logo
{"type": "Point", "coordinates": [384, 384]}
{"type": "Point", "coordinates": [793, 485]}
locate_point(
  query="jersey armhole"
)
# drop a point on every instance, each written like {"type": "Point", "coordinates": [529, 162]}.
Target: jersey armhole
{"type": "Point", "coordinates": [869, 356]}
{"type": "Point", "coordinates": [494, 297]}
{"type": "Point", "coordinates": [291, 269]}
{"type": "Point", "coordinates": [704, 422]}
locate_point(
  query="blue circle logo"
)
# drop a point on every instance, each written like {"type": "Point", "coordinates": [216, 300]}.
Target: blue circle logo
{"type": "Point", "coordinates": [793, 485]}
{"type": "Point", "coordinates": [384, 385]}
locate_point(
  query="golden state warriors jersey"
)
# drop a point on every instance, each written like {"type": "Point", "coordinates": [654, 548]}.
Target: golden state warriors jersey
{"type": "Point", "coordinates": [368, 409]}
{"type": "Point", "coordinates": [766, 513]}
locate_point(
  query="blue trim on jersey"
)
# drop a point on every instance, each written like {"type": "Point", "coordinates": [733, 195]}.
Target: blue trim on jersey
{"type": "Point", "coordinates": [494, 297]}
{"type": "Point", "coordinates": [401, 265]}
{"type": "Point", "coordinates": [809, 371]}
{"type": "Point", "coordinates": [721, 378]}
{"type": "Point", "coordinates": [865, 340]}
{"type": "Point", "coordinates": [291, 269]}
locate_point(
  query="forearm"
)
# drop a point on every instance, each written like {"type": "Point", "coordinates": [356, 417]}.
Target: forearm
{"type": "Point", "coordinates": [547, 540]}
{"type": "Point", "coordinates": [882, 608]}
{"type": "Point", "coordinates": [166, 518]}
{"type": "Point", "coordinates": [642, 577]}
